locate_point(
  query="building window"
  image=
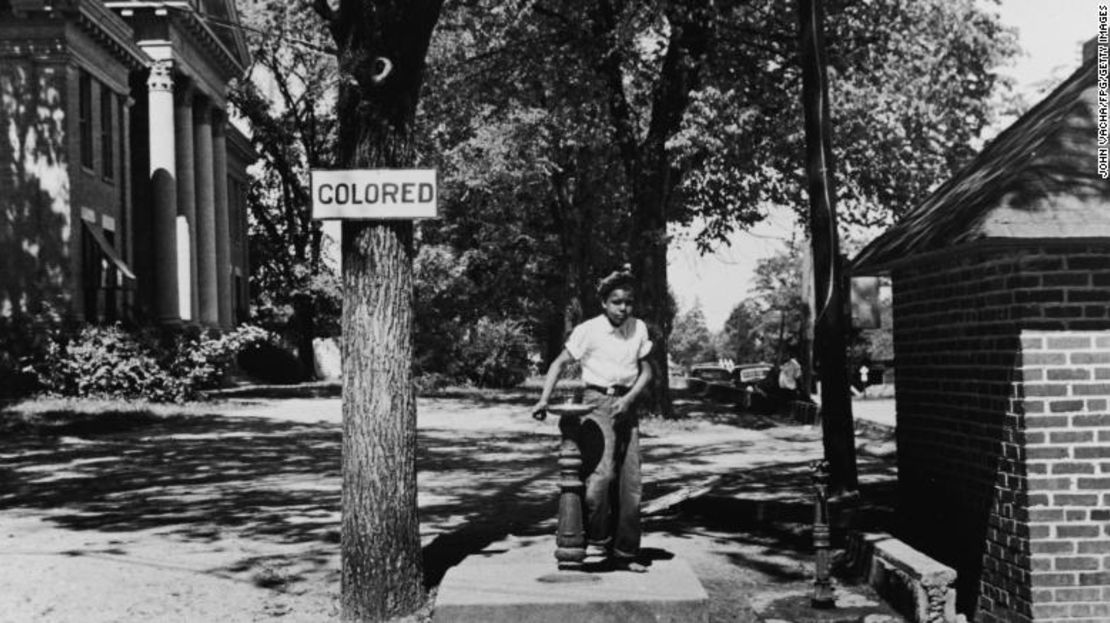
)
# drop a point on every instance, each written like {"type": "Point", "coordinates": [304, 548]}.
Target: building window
{"type": "Point", "coordinates": [84, 118]}
{"type": "Point", "coordinates": [92, 276]}
{"type": "Point", "coordinates": [106, 123]}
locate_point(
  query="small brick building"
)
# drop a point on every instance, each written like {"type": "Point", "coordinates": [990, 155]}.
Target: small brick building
{"type": "Point", "coordinates": [1001, 290]}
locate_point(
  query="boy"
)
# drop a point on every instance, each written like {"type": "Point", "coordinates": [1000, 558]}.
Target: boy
{"type": "Point", "coordinates": [612, 349]}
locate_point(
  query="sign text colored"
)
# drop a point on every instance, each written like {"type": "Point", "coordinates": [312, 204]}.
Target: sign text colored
{"type": "Point", "coordinates": [374, 194]}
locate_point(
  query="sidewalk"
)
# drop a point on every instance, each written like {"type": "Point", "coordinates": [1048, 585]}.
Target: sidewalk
{"type": "Point", "coordinates": [875, 410]}
{"type": "Point", "coordinates": [229, 511]}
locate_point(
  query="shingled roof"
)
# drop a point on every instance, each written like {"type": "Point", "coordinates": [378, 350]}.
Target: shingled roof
{"type": "Point", "coordinates": [1038, 179]}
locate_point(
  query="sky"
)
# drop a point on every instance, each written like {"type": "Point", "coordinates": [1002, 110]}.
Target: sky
{"type": "Point", "coordinates": [1051, 33]}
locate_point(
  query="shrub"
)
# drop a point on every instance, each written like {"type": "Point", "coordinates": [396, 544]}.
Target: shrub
{"type": "Point", "coordinates": [111, 363]}
{"type": "Point", "coordinates": [25, 342]}
{"type": "Point", "coordinates": [494, 353]}
{"type": "Point", "coordinates": [202, 359]}
{"type": "Point", "coordinates": [270, 362]}
{"type": "Point", "coordinates": [159, 364]}
{"type": "Point", "coordinates": [429, 382]}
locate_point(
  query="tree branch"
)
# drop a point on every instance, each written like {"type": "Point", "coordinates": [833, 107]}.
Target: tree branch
{"type": "Point", "coordinates": [605, 22]}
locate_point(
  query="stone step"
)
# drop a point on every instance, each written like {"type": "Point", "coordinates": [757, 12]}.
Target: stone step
{"type": "Point", "coordinates": [522, 584]}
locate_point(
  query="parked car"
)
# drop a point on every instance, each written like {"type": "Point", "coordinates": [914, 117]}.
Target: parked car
{"type": "Point", "coordinates": [752, 381]}
{"type": "Point", "coordinates": [748, 374]}
{"type": "Point", "coordinates": [702, 375]}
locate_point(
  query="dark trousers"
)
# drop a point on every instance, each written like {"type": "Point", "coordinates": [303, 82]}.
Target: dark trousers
{"type": "Point", "coordinates": [611, 468]}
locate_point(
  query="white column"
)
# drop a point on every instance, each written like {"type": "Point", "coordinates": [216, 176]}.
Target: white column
{"type": "Point", "coordinates": [163, 191]}
{"type": "Point", "coordinates": [223, 226]}
{"type": "Point", "coordinates": [186, 200]}
{"type": "Point", "coordinates": [207, 281]}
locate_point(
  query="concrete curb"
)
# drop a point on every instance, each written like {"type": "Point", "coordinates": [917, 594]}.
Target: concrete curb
{"type": "Point", "coordinates": [918, 587]}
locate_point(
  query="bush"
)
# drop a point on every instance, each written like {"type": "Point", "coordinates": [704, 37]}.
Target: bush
{"type": "Point", "coordinates": [270, 362]}
{"type": "Point", "coordinates": [161, 365]}
{"type": "Point", "coordinates": [494, 353]}
{"type": "Point", "coordinates": [25, 342]}
{"type": "Point", "coordinates": [110, 363]}
{"type": "Point", "coordinates": [429, 382]}
{"type": "Point", "coordinates": [202, 359]}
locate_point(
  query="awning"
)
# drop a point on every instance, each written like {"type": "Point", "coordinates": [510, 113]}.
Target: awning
{"type": "Point", "coordinates": [108, 250]}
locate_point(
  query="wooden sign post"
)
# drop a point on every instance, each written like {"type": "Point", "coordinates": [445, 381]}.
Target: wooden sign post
{"type": "Point", "coordinates": [380, 536]}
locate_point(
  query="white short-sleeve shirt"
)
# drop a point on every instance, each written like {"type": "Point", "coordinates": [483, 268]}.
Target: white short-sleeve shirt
{"type": "Point", "coordinates": [609, 355]}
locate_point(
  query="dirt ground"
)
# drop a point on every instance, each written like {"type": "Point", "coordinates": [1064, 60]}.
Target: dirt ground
{"type": "Point", "coordinates": [229, 511]}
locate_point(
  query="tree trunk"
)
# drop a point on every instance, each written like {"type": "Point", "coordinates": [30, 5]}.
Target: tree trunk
{"type": "Point", "coordinates": [382, 575]}
{"type": "Point", "coordinates": [303, 325]}
{"type": "Point", "coordinates": [381, 49]}
{"type": "Point", "coordinates": [649, 263]}
{"type": "Point", "coordinates": [646, 163]}
{"type": "Point", "coordinates": [830, 340]}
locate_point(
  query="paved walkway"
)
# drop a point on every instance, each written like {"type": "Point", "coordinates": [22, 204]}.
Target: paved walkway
{"type": "Point", "coordinates": [229, 511]}
{"type": "Point", "coordinates": [875, 410]}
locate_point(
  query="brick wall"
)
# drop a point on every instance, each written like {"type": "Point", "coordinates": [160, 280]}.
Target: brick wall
{"type": "Point", "coordinates": [35, 232]}
{"type": "Point", "coordinates": [1067, 420]}
{"type": "Point", "coordinates": [43, 186]}
{"type": "Point", "coordinates": [963, 421]}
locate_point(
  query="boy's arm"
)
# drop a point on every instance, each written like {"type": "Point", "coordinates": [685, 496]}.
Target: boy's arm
{"type": "Point", "coordinates": [553, 372]}
{"type": "Point", "coordinates": [642, 381]}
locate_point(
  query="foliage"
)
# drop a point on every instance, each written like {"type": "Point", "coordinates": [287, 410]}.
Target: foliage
{"type": "Point", "coordinates": [778, 307]}
{"type": "Point", "coordinates": [494, 353]}
{"type": "Point", "coordinates": [531, 195]}
{"type": "Point", "coordinates": [272, 362]}
{"type": "Point", "coordinates": [161, 365]}
{"type": "Point", "coordinates": [111, 363]}
{"type": "Point", "coordinates": [25, 341]}
{"type": "Point", "coordinates": [698, 107]}
{"type": "Point", "coordinates": [743, 338]}
{"type": "Point", "coordinates": [288, 98]}
{"type": "Point", "coordinates": [690, 340]}
{"type": "Point", "coordinates": [911, 87]}
{"type": "Point", "coordinates": [770, 323]}
{"type": "Point", "coordinates": [443, 307]}
{"type": "Point", "coordinates": [201, 359]}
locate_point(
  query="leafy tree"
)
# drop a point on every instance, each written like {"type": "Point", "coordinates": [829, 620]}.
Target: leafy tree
{"type": "Point", "coordinates": [701, 104]}
{"type": "Point", "coordinates": [288, 99]}
{"type": "Point", "coordinates": [780, 303]}
{"type": "Point", "coordinates": [691, 341]}
{"type": "Point", "coordinates": [529, 187]}
{"type": "Point", "coordinates": [743, 338]}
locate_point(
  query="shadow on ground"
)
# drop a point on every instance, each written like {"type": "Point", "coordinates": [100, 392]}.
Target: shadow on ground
{"type": "Point", "coordinates": [198, 476]}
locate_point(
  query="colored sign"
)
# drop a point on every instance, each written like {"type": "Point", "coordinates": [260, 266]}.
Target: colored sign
{"type": "Point", "coordinates": [374, 194]}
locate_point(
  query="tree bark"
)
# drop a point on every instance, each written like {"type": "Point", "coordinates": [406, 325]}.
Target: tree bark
{"type": "Point", "coordinates": [830, 340]}
{"type": "Point", "coordinates": [381, 576]}
{"type": "Point", "coordinates": [381, 51]}
{"type": "Point", "coordinates": [646, 163]}
{"type": "Point", "coordinates": [572, 218]}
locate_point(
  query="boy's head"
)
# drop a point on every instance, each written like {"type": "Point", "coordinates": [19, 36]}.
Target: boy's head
{"type": "Point", "coordinates": [617, 295]}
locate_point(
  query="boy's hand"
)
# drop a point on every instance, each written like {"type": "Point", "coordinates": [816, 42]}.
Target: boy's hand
{"type": "Point", "coordinates": [539, 412]}
{"type": "Point", "coordinates": [622, 406]}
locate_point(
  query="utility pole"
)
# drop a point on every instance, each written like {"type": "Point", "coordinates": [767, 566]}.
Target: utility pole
{"type": "Point", "coordinates": [830, 339]}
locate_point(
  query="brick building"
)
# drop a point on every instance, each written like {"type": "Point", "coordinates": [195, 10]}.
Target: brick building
{"type": "Point", "coordinates": [122, 185]}
{"type": "Point", "coordinates": [1001, 291]}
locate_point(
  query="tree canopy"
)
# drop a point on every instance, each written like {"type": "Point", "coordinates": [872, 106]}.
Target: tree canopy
{"type": "Point", "coordinates": [568, 137]}
{"type": "Point", "coordinates": [633, 116]}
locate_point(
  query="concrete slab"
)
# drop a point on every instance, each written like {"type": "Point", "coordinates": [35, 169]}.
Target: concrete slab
{"type": "Point", "coordinates": [517, 585]}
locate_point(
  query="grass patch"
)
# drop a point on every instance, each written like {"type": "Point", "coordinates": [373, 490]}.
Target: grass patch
{"type": "Point", "coordinates": [80, 416]}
